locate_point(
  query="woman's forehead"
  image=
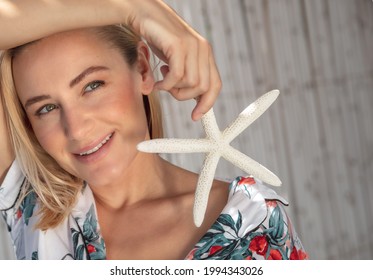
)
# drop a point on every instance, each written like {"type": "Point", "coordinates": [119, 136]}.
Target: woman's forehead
{"type": "Point", "coordinates": [57, 59]}
{"type": "Point", "coordinates": [67, 44]}
{"type": "Point", "coordinates": [65, 48]}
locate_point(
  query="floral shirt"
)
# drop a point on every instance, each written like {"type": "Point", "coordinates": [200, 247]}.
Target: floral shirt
{"type": "Point", "coordinates": [253, 225]}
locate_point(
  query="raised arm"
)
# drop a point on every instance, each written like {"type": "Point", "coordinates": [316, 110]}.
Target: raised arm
{"type": "Point", "coordinates": [22, 21]}
{"type": "Point", "coordinates": [191, 71]}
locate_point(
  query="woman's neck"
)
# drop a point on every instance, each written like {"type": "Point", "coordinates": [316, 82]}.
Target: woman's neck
{"type": "Point", "coordinates": [143, 180]}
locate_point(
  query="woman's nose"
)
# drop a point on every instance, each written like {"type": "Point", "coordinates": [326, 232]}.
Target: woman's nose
{"type": "Point", "coordinates": [76, 123]}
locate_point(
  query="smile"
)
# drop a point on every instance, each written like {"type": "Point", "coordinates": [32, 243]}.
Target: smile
{"type": "Point", "coordinates": [98, 147]}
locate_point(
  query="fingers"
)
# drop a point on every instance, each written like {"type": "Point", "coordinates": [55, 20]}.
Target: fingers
{"type": "Point", "coordinates": [192, 73]}
{"type": "Point", "coordinates": [175, 57]}
{"type": "Point", "coordinates": [208, 98]}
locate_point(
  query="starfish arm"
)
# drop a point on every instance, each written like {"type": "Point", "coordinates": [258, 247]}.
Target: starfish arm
{"type": "Point", "coordinates": [210, 126]}
{"type": "Point", "coordinates": [250, 166]}
{"type": "Point", "coordinates": [204, 186]}
{"type": "Point", "coordinates": [249, 115]}
{"type": "Point", "coordinates": [175, 146]}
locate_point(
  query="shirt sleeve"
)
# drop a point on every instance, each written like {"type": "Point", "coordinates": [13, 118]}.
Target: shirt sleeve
{"type": "Point", "coordinates": [276, 237]}
{"type": "Point", "coordinates": [253, 225]}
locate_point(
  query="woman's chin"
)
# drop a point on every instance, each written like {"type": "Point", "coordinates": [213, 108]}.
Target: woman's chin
{"type": "Point", "coordinates": [107, 177]}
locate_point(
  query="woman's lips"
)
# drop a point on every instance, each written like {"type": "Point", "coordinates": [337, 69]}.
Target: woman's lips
{"type": "Point", "coordinates": [97, 152]}
{"type": "Point", "coordinates": [95, 149]}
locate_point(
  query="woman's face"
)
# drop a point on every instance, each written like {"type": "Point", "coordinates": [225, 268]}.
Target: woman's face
{"type": "Point", "coordinates": [84, 102]}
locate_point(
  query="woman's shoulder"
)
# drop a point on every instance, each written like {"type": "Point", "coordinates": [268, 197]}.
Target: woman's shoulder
{"type": "Point", "coordinates": [253, 189]}
{"type": "Point", "coordinates": [249, 203]}
{"type": "Point", "coordinates": [252, 225]}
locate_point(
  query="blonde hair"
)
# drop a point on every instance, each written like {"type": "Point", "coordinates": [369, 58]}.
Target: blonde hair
{"type": "Point", "coordinates": [56, 189]}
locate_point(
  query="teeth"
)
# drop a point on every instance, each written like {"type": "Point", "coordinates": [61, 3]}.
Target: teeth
{"type": "Point", "coordinates": [95, 149]}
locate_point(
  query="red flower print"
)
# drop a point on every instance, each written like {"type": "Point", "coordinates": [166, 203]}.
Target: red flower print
{"type": "Point", "coordinates": [271, 203]}
{"type": "Point", "coordinates": [302, 255]}
{"type": "Point", "coordinates": [191, 254]}
{"type": "Point", "coordinates": [91, 249]}
{"type": "Point", "coordinates": [294, 254]}
{"type": "Point", "coordinates": [298, 254]}
{"type": "Point", "coordinates": [274, 255]}
{"type": "Point", "coordinates": [247, 180]}
{"type": "Point", "coordinates": [259, 244]}
{"type": "Point", "coordinates": [19, 213]}
{"type": "Point", "coordinates": [214, 249]}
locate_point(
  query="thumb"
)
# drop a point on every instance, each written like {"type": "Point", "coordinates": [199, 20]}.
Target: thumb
{"type": "Point", "coordinates": [164, 70]}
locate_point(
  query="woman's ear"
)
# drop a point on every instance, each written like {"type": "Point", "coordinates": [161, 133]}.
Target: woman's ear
{"type": "Point", "coordinates": [144, 69]}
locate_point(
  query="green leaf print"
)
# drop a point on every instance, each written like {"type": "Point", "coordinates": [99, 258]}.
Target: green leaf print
{"type": "Point", "coordinates": [217, 227]}
{"type": "Point", "coordinates": [79, 252]}
{"type": "Point", "coordinates": [75, 235]}
{"type": "Point", "coordinates": [34, 255]}
{"type": "Point", "coordinates": [238, 223]}
{"type": "Point", "coordinates": [276, 224]}
{"type": "Point", "coordinates": [90, 225]}
{"type": "Point", "coordinates": [27, 207]}
{"type": "Point", "coordinates": [227, 220]}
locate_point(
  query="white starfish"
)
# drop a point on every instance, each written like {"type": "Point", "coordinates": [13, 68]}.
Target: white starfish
{"type": "Point", "coordinates": [216, 145]}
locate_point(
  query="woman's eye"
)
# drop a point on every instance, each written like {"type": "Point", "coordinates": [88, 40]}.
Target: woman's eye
{"type": "Point", "coordinates": [46, 109]}
{"type": "Point", "coordinates": [93, 86]}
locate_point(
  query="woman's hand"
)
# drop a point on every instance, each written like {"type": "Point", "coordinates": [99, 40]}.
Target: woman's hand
{"type": "Point", "coordinates": [191, 71]}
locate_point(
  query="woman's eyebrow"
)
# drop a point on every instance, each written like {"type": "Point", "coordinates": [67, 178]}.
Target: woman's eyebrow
{"type": "Point", "coordinates": [36, 99]}
{"type": "Point", "coordinates": [86, 72]}
{"type": "Point", "coordinates": [74, 82]}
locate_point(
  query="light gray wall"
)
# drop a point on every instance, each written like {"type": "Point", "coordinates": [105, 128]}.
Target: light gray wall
{"type": "Point", "coordinates": [318, 135]}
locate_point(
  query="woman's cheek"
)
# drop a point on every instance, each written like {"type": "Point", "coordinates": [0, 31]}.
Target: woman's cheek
{"type": "Point", "coordinates": [49, 138]}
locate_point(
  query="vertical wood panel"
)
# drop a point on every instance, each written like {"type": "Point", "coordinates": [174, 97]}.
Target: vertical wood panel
{"type": "Point", "coordinates": [318, 135]}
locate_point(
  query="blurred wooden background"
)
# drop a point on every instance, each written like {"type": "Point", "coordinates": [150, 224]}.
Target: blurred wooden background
{"type": "Point", "coordinates": [318, 135]}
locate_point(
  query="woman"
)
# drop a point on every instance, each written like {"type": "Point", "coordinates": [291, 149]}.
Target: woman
{"type": "Point", "coordinates": [82, 92]}
{"type": "Point", "coordinates": [76, 105]}
{"type": "Point", "coordinates": [190, 71]}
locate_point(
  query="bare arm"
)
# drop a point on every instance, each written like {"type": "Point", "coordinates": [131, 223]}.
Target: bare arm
{"type": "Point", "coordinates": [191, 71]}
{"type": "Point", "coordinates": [22, 21]}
